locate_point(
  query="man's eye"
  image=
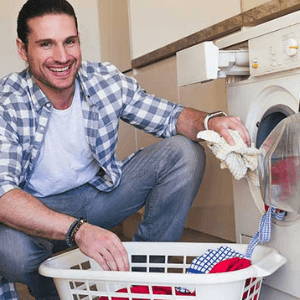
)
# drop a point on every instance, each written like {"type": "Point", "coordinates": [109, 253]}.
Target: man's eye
{"type": "Point", "coordinates": [45, 45]}
{"type": "Point", "coordinates": [70, 42]}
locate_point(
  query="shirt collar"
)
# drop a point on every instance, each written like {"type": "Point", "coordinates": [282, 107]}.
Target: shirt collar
{"type": "Point", "coordinates": [38, 98]}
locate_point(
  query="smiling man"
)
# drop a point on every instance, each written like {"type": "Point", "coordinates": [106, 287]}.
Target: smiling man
{"type": "Point", "coordinates": [61, 183]}
{"type": "Point", "coordinates": [52, 51]}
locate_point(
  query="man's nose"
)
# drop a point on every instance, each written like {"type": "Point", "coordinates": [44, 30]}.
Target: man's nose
{"type": "Point", "coordinates": [60, 54]}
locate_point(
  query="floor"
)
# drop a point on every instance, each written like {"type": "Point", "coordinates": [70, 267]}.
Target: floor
{"type": "Point", "coordinates": [188, 236]}
{"type": "Point", "coordinates": [23, 292]}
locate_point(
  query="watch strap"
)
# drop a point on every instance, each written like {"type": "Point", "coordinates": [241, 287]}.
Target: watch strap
{"type": "Point", "coordinates": [212, 115]}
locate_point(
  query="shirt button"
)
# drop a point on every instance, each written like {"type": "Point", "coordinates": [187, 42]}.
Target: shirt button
{"type": "Point", "coordinates": [48, 105]}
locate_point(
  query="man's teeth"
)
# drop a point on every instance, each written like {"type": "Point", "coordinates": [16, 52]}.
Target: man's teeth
{"type": "Point", "coordinates": [59, 69]}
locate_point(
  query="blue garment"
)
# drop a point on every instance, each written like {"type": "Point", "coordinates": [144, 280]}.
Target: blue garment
{"type": "Point", "coordinates": [263, 235]}
{"type": "Point", "coordinates": [107, 96]}
{"type": "Point", "coordinates": [204, 263]}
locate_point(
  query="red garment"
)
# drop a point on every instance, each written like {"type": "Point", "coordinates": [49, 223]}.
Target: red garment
{"type": "Point", "coordinates": [144, 289]}
{"type": "Point", "coordinates": [231, 264]}
{"type": "Point", "coordinates": [234, 264]}
{"type": "Point", "coordinates": [255, 287]}
{"type": "Point", "coordinates": [227, 265]}
{"type": "Point", "coordinates": [284, 173]}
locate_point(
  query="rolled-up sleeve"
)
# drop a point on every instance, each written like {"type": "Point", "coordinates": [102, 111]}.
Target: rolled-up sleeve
{"type": "Point", "coordinates": [152, 114]}
{"type": "Point", "coordinates": [10, 156]}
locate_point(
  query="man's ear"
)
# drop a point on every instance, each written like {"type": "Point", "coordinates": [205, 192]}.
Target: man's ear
{"type": "Point", "coordinates": [21, 49]}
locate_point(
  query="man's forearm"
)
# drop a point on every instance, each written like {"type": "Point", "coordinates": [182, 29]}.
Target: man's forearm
{"type": "Point", "coordinates": [26, 213]}
{"type": "Point", "coordinates": [190, 122]}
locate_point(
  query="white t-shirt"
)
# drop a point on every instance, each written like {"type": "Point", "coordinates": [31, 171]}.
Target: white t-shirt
{"type": "Point", "coordinates": [65, 160]}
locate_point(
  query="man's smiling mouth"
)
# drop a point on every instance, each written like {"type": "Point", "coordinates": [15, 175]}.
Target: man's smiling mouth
{"type": "Point", "coordinates": [60, 69]}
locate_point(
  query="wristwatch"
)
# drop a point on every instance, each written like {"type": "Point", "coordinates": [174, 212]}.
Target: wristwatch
{"type": "Point", "coordinates": [212, 115]}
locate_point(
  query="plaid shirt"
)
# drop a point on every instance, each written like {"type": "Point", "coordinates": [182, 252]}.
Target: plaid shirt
{"type": "Point", "coordinates": [107, 96]}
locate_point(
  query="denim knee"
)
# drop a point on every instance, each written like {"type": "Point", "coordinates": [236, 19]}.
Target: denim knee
{"type": "Point", "coordinates": [178, 165]}
{"type": "Point", "coordinates": [191, 155]}
{"type": "Point", "coordinates": [21, 254]}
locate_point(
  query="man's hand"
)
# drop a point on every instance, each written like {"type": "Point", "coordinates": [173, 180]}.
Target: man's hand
{"type": "Point", "coordinates": [222, 124]}
{"type": "Point", "coordinates": [103, 246]}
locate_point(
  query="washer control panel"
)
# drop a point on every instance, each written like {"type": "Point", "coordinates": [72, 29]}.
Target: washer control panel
{"type": "Point", "coordinates": [276, 51]}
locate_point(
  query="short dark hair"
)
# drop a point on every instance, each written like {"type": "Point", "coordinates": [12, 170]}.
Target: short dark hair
{"type": "Point", "coordinates": [38, 8]}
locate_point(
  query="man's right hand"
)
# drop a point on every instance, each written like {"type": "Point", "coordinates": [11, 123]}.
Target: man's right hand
{"type": "Point", "coordinates": [103, 246]}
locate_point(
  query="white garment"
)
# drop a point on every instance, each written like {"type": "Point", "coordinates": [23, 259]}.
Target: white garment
{"type": "Point", "coordinates": [65, 160]}
{"type": "Point", "coordinates": [241, 160]}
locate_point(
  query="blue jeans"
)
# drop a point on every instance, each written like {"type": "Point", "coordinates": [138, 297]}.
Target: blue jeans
{"type": "Point", "coordinates": [164, 178]}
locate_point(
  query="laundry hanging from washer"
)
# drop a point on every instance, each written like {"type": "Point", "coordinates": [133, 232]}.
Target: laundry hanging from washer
{"type": "Point", "coordinates": [273, 174]}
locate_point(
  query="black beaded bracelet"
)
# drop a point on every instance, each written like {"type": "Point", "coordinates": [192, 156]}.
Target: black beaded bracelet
{"type": "Point", "coordinates": [74, 227]}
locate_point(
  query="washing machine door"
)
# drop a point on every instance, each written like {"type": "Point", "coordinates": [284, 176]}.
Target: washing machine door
{"type": "Point", "coordinates": [279, 166]}
{"type": "Point", "coordinates": [279, 172]}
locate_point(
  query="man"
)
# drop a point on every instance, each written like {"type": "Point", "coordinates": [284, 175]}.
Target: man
{"type": "Point", "coordinates": [60, 181]}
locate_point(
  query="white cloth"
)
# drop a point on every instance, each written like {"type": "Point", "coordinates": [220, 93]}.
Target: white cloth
{"type": "Point", "coordinates": [240, 159]}
{"type": "Point", "coordinates": [66, 160]}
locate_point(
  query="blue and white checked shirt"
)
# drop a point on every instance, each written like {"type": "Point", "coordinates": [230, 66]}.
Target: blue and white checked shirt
{"type": "Point", "coordinates": [107, 96]}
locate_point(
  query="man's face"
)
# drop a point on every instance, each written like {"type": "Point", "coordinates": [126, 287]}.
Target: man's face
{"type": "Point", "coordinates": [53, 51]}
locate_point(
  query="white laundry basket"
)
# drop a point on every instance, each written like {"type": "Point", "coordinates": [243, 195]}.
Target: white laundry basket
{"type": "Point", "coordinates": [77, 276]}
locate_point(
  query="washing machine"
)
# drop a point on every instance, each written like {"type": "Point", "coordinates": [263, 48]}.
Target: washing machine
{"type": "Point", "coordinates": [270, 94]}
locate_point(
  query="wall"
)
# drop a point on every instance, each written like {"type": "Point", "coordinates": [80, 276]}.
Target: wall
{"type": "Point", "coordinates": [88, 21]}
{"type": "Point", "coordinates": [157, 23]}
{"type": "Point", "coordinates": [249, 4]}
{"type": "Point", "coordinates": [88, 27]}
{"type": "Point", "coordinates": [114, 30]}
{"type": "Point", "coordinates": [9, 60]}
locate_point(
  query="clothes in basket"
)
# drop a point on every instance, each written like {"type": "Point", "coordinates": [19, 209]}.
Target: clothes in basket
{"type": "Point", "coordinates": [205, 263]}
{"type": "Point", "coordinates": [144, 289]}
{"type": "Point", "coordinates": [222, 259]}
